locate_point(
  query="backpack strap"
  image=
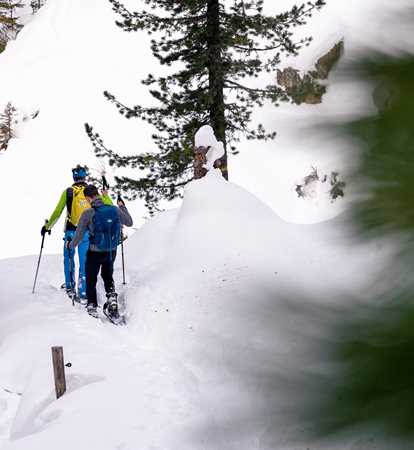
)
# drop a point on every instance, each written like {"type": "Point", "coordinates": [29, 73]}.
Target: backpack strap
{"type": "Point", "coordinates": [91, 232]}
{"type": "Point", "coordinates": [69, 200]}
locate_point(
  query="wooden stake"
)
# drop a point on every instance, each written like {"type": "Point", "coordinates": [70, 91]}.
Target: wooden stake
{"type": "Point", "coordinates": [59, 371]}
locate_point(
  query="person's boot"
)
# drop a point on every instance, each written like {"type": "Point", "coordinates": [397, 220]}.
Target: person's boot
{"type": "Point", "coordinates": [111, 304]}
{"type": "Point", "coordinates": [71, 293]}
{"type": "Point", "coordinates": [92, 310]}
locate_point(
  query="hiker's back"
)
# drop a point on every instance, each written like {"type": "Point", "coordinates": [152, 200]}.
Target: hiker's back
{"type": "Point", "coordinates": [76, 203]}
{"type": "Point", "coordinates": [106, 228]}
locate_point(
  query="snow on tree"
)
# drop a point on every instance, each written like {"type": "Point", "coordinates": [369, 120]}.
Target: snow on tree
{"type": "Point", "coordinates": [207, 151]}
{"type": "Point", "coordinates": [309, 88]}
{"type": "Point", "coordinates": [7, 122]}
{"type": "Point", "coordinates": [36, 5]}
{"type": "Point", "coordinates": [9, 21]}
{"type": "Point", "coordinates": [219, 49]}
{"type": "Point", "coordinates": [316, 184]}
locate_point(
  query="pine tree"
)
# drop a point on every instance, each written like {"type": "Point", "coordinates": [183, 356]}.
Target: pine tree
{"type": "Point", "coordinates": [36, 5]}
{"type": "Point", "coordinates": [9, 21]}
{"type": "Point", "coordinates": [220, 50]}
{"type": "Point", "coordinates": [7, 122]}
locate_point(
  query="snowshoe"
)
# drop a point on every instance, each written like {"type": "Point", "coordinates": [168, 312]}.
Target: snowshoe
{"type": "Point", "coordinates": [112, 296]}
{"type": "Point", "coordinates": [92, 311]}
{"type": "Point", "coordinates": [71, 293]}
{"type": "Point", "coordinates": [83, 301]}
{"type": "Point", "coordinates": [111, 311]}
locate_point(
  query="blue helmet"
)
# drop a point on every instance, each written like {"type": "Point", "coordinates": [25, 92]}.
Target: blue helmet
{"type": "Point", "coordinates": [79, 172]}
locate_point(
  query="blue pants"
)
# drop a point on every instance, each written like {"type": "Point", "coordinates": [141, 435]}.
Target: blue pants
{"type": "Point", "coordinates": [69, 263]}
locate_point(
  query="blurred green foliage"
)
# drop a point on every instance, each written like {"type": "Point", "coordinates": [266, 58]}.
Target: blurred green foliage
{"type": "Point", "coordinates": [370, 344]}
{"type": "Point", "coordinates": [387, 144]}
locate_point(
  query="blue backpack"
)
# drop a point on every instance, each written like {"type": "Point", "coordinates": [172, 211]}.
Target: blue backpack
{"type": "Point", "coordinates": [107, 228]}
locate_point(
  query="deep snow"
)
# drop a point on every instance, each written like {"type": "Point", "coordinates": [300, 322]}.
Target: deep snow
{"type": "Point", "coordinates": [207, 339]}
{"type": "Point", "coordinates": [210, 346]}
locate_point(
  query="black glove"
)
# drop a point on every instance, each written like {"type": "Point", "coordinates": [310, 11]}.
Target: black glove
{"type": "Point", "coordinates": [44, 230]}
{"type": "Point", "coordinates": [119, 201]}
{"type": "Point", "coordinates": [68, 242]}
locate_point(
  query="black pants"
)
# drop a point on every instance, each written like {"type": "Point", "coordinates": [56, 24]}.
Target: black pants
{"type": "Point", "coordinates": [96, 261]}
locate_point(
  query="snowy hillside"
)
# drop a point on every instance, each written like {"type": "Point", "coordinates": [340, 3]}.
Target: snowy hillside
{"type": "Point", "coordinates": [61, 63]}
{"type": "Point", "coordinates": [208, 333]}
{"type": "Point", "coordinates": [216, 333]}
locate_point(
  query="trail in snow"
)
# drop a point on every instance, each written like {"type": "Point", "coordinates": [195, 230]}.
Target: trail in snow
{"type": "Point", "coordinates": [216, 335]}
{"type": "Point", "coordinates": [211, 346]}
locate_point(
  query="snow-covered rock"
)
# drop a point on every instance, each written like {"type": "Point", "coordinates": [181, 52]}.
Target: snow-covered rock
{"type": "Point", "coordinates": [205, 138]}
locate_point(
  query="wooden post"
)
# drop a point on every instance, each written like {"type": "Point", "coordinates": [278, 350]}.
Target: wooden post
{"type": "Point", "coordinates": [59, 371]}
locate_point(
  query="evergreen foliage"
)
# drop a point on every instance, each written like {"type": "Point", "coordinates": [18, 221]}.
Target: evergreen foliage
{"type": "Point", "coordinates": [7, 122]}
{"type": "Point", "coordinates": [9, 21]}
{"type": "Point", "coordinates": [370, 344]}
{"type": "Point", "coordinates": [36, 5]}
{"type": "Point", "coordinates": [334, 182]}
{"type": "Point", "coordinates": [218, 50]}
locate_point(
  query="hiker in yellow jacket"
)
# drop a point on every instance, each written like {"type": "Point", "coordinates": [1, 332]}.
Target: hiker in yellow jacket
{"type": "Point", "coordinates": [75, 202]}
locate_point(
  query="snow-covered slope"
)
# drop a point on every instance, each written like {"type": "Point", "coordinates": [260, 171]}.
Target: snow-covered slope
{"type": "Point", "coordinates": [210, 342]}
{"type": "Point", "coordinates": [207, 336]}
{"type": "Point", "coordinates": [72, 50]}
{"type": "Point", "coordinates": [60, 64]}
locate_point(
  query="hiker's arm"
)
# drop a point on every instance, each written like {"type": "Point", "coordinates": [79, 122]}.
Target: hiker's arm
{"type": "Point", "coordinates": [57, 212]}
{"type": "Point", "coordinates": [82, 227]}
{"type": "Point", "coordinates": [124, 216]}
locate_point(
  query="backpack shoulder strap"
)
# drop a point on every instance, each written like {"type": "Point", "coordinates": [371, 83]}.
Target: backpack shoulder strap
{"type": "Point", "coordinates": [69, 199]}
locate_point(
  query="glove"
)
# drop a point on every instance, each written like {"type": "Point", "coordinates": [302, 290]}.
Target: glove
{"type": "Point", "coordinates": [119, 201]}
{"type": "Point", "coordinates": [44, 230]}
{"type": "Point", "coordinates": [68, 242]}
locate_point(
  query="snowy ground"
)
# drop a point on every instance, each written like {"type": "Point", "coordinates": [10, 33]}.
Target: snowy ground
{"type": "Point", "coordinates": [208, 343]}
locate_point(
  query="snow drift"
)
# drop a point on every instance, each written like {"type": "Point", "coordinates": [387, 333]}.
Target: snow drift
{"type": "Point", "coordinates": [203, 359]}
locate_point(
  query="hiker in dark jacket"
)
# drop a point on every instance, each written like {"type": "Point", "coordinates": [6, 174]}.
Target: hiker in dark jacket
{"type": "Point", "coordinates": [103, 223]}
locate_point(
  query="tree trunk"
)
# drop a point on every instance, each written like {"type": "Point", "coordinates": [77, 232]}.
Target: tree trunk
{"type": "Point", "coordinates": [216, 79]}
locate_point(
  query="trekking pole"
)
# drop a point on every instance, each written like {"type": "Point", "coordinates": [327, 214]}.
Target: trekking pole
{"type": "Point", "coordinates": [71, 274]}
{"type": "Point", "coordinates": [119, 199]}
{"type": "Point", "coordinates": [105, 185]}
{"type": "Point", "coordinates": [123, 259]}
{"type": "Point", "coordinates": [40, 256]}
